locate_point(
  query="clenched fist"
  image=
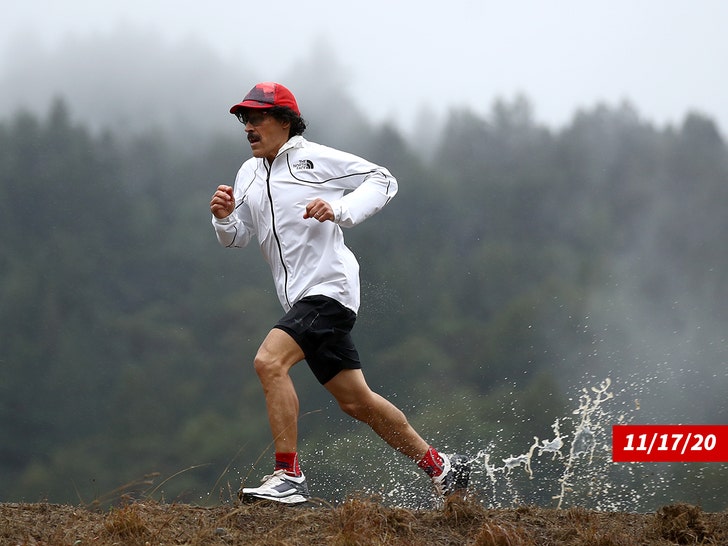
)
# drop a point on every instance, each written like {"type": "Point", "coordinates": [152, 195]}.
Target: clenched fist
{"type": "Point", "coordinates": [320, 210]}
{"type": "Point", "coordinates": [222, 204]}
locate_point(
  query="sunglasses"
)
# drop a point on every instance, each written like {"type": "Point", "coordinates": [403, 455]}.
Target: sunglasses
{"type": "Point", "coordinates": [254, 117]}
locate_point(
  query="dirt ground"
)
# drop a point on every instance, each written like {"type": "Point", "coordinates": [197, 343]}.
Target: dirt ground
{"type": "Point", "coordinates": [355, 522]}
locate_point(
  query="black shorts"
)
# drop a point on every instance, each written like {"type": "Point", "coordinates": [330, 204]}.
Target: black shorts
{"type": "Point", "coordinates": [322, 328]}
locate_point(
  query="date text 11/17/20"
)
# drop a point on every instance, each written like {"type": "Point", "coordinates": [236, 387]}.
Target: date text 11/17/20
{"type": "Point", "coordinates": [669, 443]}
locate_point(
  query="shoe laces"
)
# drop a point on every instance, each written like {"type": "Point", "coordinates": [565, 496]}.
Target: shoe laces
{"type": "Point", "coordinates": [275, 476]}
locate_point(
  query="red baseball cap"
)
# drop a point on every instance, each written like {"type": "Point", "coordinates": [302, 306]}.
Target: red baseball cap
{"type": "Point", "coordinates": [265, 95]}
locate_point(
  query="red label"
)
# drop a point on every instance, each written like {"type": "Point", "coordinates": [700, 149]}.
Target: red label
{"type": "Point", "coordinates": [670, 443]}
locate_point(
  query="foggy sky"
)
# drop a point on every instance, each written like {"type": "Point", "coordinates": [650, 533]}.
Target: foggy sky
{"type": "Point", "coordinates": [666, 57]}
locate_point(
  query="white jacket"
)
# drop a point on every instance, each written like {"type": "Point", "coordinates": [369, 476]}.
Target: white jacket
{"type": "Point", "coordinates": [306, 257]}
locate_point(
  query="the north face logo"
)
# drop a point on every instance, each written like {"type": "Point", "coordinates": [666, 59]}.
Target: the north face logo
{"type": "Point", "coordinates": [303, 164]}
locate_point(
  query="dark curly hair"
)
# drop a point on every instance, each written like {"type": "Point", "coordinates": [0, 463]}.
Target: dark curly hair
{"type": "Point", "coordinates": [283, 114]}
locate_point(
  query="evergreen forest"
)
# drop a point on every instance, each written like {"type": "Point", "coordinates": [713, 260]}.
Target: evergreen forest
{"type": "Point", "coordinates": [517, 265]}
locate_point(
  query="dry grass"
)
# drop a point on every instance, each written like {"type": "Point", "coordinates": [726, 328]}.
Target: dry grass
{"type": "Point", "coordinates": [502, 534]}
{"type": "Point", "coordinates": [681, 523]}
{"type": "Point", "coordinates": [356, 522]}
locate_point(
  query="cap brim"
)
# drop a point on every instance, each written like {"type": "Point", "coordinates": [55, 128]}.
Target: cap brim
{"type": "Point", "coordinates": [249, 104]}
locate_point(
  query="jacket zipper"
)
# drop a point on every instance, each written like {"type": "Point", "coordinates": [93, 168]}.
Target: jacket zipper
{"type": "Point", "coordinates": [269, 168]}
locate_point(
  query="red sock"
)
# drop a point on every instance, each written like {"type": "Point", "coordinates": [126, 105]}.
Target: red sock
{"type": "Point", "coordinates": [289, 463]}
{"type": "Point", "coordinates": [431, 463]}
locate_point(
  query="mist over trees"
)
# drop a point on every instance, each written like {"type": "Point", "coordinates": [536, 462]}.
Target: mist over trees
{"type": "Point", "coordinates": [517, 262]}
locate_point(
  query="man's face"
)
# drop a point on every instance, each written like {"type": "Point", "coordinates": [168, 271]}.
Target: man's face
{"type": "Point", "coordinates": [265, 133]}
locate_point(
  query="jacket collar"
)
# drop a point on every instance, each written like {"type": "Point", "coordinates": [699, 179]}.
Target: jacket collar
{"type": "Point", "coordinates": [296, 141]}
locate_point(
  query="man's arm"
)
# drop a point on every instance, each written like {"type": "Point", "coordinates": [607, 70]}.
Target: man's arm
{"type": "Point", "coordinates": [231, 229]}
{"type": "Point", "coordinates": [375, 191]}
{"type": "Point", "coordinates": [371, 185]}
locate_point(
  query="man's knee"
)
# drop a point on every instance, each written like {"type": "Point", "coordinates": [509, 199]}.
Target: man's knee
{"type": "Point", "coordinates": [352, 408]}
{"type": "Point", "coordinates": [362, 407]}
{"type": "Point", "coordinates": [268, 366]}
{"type": "Point", "coordinates": [276, 355]}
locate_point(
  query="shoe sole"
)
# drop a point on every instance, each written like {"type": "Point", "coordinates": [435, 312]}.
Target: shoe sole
{"type": "Point", "coordinates": [291, 500]}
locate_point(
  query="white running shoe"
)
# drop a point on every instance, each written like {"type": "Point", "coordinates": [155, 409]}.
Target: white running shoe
{"type": "Point", "coordinates": [278, 487]}
{"type": "Point", "coordinates": [455, 475]}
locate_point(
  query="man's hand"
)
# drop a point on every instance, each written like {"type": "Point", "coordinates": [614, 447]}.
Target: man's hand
{"type": "Point", "coordinates": [320, 210]}
{"type": "Point", "coordinates": [223, 202]}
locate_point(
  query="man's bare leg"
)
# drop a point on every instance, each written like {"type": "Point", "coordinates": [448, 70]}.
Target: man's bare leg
{"type": "Point", "coordinates": [354, 396]}
{"type": "Point", "coordinates": [276, 356]}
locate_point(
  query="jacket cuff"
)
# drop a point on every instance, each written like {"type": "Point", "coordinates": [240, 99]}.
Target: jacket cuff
{"type": "Point", "coordinates": [337, 208]}
{"type": "Point", "coordinates": [223, 221]}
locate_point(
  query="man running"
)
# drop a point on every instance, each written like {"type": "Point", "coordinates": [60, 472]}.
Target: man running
{"type": "Point", "coordinates": [294, 196]}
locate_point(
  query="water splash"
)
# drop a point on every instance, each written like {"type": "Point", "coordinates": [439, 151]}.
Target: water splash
{"type": "Point", "coordinates": [585, 439]}
{"type": "Point", "coordinates": [571, 465]}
